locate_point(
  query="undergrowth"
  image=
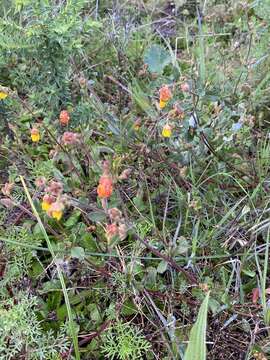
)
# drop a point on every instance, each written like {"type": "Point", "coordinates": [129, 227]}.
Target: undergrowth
{"type": "Point", "coordinates": [134, 172]}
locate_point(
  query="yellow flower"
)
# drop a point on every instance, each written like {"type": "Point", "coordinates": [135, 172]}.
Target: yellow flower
{"type": "Point", "coordinates": [167, 131]}
{"type": "Point", "coordinates": [47, 202]}
{"type": "Point", "coordinates": [57, 214]}
{"type": "Point", "coordinates": [137, 124]}
{"type": "Point", "coordinates": [3, 95]}
{"type": "Point", "coordinates": [56, 210]}
{"type": "Point", "coordinates": [162, 104]}
{"type": "Point", "coordinates": [35, 138]}
{"type": "Point", "coordinates": [35, 135]}
{"type": "Point", "coordinates": [45, 205]}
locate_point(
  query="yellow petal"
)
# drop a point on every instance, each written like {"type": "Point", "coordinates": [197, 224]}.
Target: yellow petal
{"type": "Point", "coordinates": [35, 137]}
{"type": "Point", "coordinates": [162, 104]}
{"type": "Point", "coordinates": [167, 131]}
{"type": "Point", "coordinates": [3, 95]}
{"type": "Point", "coordinates": [57, 214]}
{"type": "Point", "coordinates": [45, 206]}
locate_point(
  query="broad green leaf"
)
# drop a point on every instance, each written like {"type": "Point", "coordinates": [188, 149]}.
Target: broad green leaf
{"type": "Point", "coordinates": [157, 57]}
{"type": "Point", "coordinates": [77, 252]}
{"type": "Point", "coordinates": [196, 349]}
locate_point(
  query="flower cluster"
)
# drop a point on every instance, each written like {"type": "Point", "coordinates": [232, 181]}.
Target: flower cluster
{"type": "Point", "coordinates": [117, 227]}
{"type": "Point", "coordinates": [176, 112]}
{"type": "Point", "coordinates": [53, 202]}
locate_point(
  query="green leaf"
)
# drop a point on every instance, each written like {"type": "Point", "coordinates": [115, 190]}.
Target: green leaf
{"type": "Point", "coordinates": [73, 219]}
{"type": "Point", "coordinates": [157, 57]}
{"type": "Point", "coordinates": [196, 349]}
{"type": "Point", "coordinates": [162, 267]}
{"type": "Point", "coordinates": [97, 216]}
{"type": "Point", "coordinates": [77, 252]}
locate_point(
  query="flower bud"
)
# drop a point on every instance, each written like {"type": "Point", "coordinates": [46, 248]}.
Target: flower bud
{"type": "Point", "coordinates": [185, 87]}
{"type": "Point", "coordinates": [70, 138]}
{"type": "Point", "coordinates": [54, 188]}
{"type": "Point", "coordinates": [115, 214]}
{"type": "Point", "coordinates": [7, 188]}
{"type": "Point", "coordinates": [125, 174]}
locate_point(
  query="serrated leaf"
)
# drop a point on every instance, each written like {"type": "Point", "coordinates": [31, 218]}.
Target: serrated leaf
{"type": "Point", "coordinates": [196, 349]}
{"type": "Point", "coordinates": [157, 57]}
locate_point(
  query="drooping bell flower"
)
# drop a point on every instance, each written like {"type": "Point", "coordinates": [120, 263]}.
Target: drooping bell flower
{"type": "Point", "coordinates": [165, 95]}
{"type": "Point", "coordinates": [3, 95]}
{"type": "Point", "coordinates": [105, 187]}
{"type": "Point", "coordinates": [64, 117]}
{"type": "Point", "coordinates": [47, 201]}
{"type": "Point", "coordinates": [167, 131]}
{"type": "Point", "coordinates": [35, 135]}
{"type": "Point", "coordinates": [56, 210]}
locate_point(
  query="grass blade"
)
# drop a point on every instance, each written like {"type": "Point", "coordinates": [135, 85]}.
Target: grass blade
{"type": "Point", "coordinates": [59, 271]}
{"type": "Point", "coordinates": [196, 349]}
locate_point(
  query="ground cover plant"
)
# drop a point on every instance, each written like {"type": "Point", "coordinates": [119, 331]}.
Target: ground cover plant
{"type": "Point", "coordinates": [134, 173]}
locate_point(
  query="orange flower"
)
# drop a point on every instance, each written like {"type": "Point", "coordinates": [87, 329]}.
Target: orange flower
{"type": "Point", "coordinates": [105, 187]}
{"type": "Point", "coordinates": [165, 95]}
{"type": "Point", "coordinates": [64, 117]}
